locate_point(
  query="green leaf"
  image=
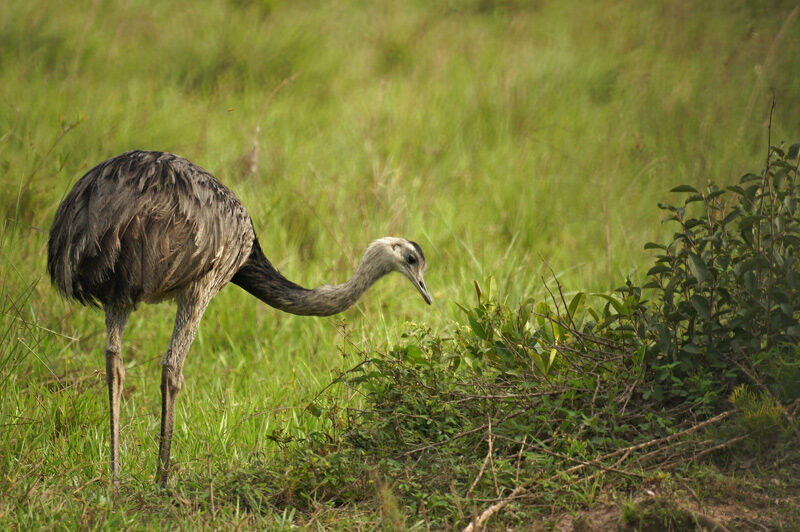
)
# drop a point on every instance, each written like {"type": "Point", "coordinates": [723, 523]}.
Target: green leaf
{"type": "Point", "coordinates": [525, 309]}
{"type": "Point", "coordinates": [730, 216]}
{"type": "Point", "coordinates": [414, 354]}
{"type": "Point", "coordinates": [750, 192]}
{"type": "Point", "coordinates": [749, 221]}
{"type": "Point", "coordinates": [546, 331]}
{"type": "Point", "coordinates": [542, 310]}
{"type": "Point", "coordinates": [779, 178]}
{"type": "Point", "coordinates": [794, 149]}
{"type": "Point", "coordinates": [698, 267]}
{"type": "Point", "coordinates": [684, 188]}
{"type": "Point", "coordinates": [693, 198]}
{"type": "Point", "coordinates": [791, 240]}
{"type": "Point", "coordinates": [790, 204]}
{"type": "Point", "coordinates": [614, 302]}
{"type": "Point", "coordinates": [463, 308]}
{"type": "Point", "coordinates": [702, 306]}
{"type": "Point", "coordinates": [692, 349]}
{"type": "Point", "coordinates": [477, 327]}
{"type": "Point", "coordinates": [558, 331]}
{"type": "Point", "coordinates": [553, 355]}
{"type": "Point", "coordinates": [659, 268]}
{"type": "Point", "coordinates": [314, 410]}
{"type": "Point", "coordinates": [575, 304]}
{"type": "Point", "coordinates": [693, 222]}
{"type": "Point", "coordinates": [654, 245]}
{"type": "Point", "coordinates": [537, 359]}
{"type": "Point", "coordinates": [491, 288]}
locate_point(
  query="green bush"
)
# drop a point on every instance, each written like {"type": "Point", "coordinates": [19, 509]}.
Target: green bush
{"type": "Point", "coordinates": [566, 396]}
{"type": "Point", "coordinates": [727, 287]}
{"type": "Point", "coordinates": [445, 420]}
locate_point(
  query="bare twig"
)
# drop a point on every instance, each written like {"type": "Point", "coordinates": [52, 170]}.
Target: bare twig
{"type": "Point", "coordinates": [593, 463]}
{"type": "Point", "coordinates": [507, 396]}
{"type": "Point", "coordinates": [457, 436]}
{"type": "Point", "coordinates": [491, 457]}
{"type": "Point", "coordinates": [478, 522]}
{"type": "Point", "coordinates": [519, 456]}
{"type": "Point", "coordinates": [480, 473]}
{"type": "Point", "coordinates": [721, 446]}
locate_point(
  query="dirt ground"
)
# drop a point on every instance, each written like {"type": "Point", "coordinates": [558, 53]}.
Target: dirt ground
{"type": "Point", "coordinates": [711, 499]}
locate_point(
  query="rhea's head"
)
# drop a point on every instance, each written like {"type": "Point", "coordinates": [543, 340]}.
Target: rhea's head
{"type": "Point", "coordinates": [390, 254]}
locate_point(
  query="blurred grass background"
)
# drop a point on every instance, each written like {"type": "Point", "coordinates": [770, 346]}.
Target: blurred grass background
{"type": "Point", "coordinates": [509, 138]}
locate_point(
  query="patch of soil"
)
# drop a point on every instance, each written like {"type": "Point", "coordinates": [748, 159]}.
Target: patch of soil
{"type": "Point", "coordinates": [715, 502]}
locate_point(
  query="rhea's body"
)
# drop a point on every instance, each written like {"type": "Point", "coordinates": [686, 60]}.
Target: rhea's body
{"type": "Point", "coordinates": [147, 226]}
{"type": "Point", "coordinates": [142, 225]}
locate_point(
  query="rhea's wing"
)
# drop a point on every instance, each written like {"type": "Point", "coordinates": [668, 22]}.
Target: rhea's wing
{"type": "Point", "coordinates": [143, 224]}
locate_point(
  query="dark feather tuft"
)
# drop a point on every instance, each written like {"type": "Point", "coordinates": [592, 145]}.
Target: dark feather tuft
{"type": "Point", "coordinates": [419, 251]}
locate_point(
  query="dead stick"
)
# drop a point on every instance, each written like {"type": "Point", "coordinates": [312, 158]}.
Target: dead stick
{"type": "Point", "coordinates": [720, 446]}
{"type": "Point", "coordinates": [570, 459]}
{"type": "Point", "coordinates": [477, 523]}
{"type": "Point", "coordinates": [457, 436]}
{"type": "Point", "coordinates": [480, 474]}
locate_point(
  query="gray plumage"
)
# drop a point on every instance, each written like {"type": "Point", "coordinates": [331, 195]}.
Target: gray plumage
{"type": "Point", "coordinates": [148, 226]}
{"type": "Point", "coordinates": [139, 226]}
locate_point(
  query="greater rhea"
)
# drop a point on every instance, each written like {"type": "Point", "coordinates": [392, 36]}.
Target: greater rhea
{"type": "Point", "coordinates": [149, 226]}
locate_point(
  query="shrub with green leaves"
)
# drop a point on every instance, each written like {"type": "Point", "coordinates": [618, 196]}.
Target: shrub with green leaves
{"type": "Point", "coordinates": [450, 421]}
{"type": "Point", "coordinates": [727, 287]}
{"type": "Point", "coordinates": [551, 400]}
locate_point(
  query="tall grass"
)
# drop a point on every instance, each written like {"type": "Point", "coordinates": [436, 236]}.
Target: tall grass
{"type": "Point", "coordinates": [509, 138]}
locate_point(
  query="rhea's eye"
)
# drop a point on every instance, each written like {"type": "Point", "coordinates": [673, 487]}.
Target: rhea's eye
{"type": "Point", "coordinates": [411, 259]}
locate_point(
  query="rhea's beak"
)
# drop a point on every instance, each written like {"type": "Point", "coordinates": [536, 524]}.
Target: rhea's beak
{"type": "Point", "coordinates": [419, 282]}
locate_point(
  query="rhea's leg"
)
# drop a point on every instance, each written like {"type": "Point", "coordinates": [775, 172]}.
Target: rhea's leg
{"type": "Point", "coordinates": [191, 306]}
{"type": "Point", "coordinates": [171, 383]}
{"type": "Point", "coordinates": [116, 318]}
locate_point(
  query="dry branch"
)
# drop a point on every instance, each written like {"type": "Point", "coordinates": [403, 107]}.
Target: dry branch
{"type": "Point", "coordinates": [457, 436]}
{"type": "Point", "coordinates": [478, 522]}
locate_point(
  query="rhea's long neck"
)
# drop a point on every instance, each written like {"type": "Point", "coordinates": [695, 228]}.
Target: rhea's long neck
{"type": "Point", "coordinates": [261, 279]}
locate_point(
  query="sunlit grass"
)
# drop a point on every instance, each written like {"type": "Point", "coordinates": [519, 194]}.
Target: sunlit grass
{"type": "Point", "coordinates": [512, 139]}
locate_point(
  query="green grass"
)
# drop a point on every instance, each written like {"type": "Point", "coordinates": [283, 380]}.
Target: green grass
{"type": "Point", "coordinates": [509, 138]}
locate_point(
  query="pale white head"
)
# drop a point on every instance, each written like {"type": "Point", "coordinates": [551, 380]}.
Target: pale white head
{"type": "Point", "coordinates": [401, 255]}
